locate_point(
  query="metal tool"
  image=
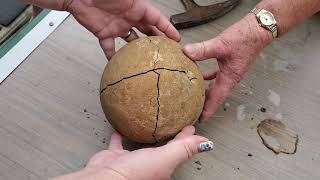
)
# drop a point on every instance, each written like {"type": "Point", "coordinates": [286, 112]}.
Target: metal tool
{"type": "Point", "coordinates": [197, 15]}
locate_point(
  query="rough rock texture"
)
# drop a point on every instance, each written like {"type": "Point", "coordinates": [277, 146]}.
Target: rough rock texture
{"type": "Point", "coordinates": [150, 90]}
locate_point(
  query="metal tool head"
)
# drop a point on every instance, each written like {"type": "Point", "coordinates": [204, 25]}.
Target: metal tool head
{"type": "Point", "coordinates": [197, 15]}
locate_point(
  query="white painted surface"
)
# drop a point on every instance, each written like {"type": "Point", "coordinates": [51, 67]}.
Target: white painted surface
{"type": "Point", "coordinates": [10, 61]}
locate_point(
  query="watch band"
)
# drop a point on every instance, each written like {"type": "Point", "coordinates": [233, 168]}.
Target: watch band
{"type": "Point", "coordinates": [273, 28]}
{"type": "Point", "coordinates": [256, 10]}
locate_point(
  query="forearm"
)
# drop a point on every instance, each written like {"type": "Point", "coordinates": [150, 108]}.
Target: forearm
{"type": "Point", "coordinates": [60, 5]}
{"type": "Point", "coordinates": [288, 13]}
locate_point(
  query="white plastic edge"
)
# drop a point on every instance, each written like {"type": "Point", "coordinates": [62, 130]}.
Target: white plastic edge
{"type": "Point", "coordinates": [18, 53]}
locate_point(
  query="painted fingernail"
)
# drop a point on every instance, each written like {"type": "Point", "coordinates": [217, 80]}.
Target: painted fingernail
{"type": "Point", "coordinates": [206, 146]}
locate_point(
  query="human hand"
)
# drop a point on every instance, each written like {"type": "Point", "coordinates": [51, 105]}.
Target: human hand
{"type": "Point", "coordinates": [108, 19]}
{"type": "Point", "coordinates": [144, 164]}
{"type": "Point", "coordinates": [235, 50]}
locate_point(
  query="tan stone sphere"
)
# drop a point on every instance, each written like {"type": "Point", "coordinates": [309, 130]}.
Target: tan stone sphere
{"type": "Point", "coordinates": [150, 90]}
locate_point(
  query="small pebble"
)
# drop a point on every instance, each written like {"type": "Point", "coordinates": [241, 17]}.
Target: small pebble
{"type": "Point", "coordinates": [85, 110]}
{"type": "Point", "coordinates": [198, 168]}
{"type": "Point", "coordinates": [263, 110]}
{"type": "Point", "coordinates": [249, 154]}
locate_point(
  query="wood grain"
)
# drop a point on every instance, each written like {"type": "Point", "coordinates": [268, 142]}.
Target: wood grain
{"type": "Point", "coordinates": [45, 132]}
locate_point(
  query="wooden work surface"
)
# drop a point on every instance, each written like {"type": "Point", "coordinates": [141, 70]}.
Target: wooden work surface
{"type": "Point", "coordinates": [45, 131]}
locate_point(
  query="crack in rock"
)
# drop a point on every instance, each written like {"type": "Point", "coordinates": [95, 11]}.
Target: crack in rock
{"type": "Point", "coordinates": [158, 90]}
{"type": "Point", "coordinates": [158, 53]}
{"type": "Point", "coordinates": [158, 108]}
{"type": "Point", "coordinates": [146, 72]}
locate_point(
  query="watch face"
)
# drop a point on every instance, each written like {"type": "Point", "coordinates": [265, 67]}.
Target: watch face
{"type": "Point", "coordinates": [266, 18]}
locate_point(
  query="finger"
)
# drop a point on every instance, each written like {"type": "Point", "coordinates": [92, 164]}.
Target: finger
{"type": "Point", "coordinates": [133, 36]}
{"type": "Point", "coordinates": [215, 96]}
{"type": "Point", "coordinates": [149, 30]}
{"type": "Point", "coordinates": [210, 74]}
{"type": "Point", "coordinates": [214, 48]}
{"type": "Point", "coordinates": [154, 17]}
{"type": "Point", "coordinates": [115, 142]}
{"type": "Point", "coordinates": [108, 46]}
{"type": "Point", "coordinates": [178, 151]}
{"type": "Point", "coordinates": [185, 132]}
{"type": "Point", "coordinates": [115, 28]}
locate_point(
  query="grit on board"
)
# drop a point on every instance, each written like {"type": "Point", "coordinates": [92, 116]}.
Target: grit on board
{"type": "Point", "coordinates": [51, 121]}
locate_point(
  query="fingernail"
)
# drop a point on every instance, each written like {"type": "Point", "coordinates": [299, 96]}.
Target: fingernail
{"type": "Point", "coordinates": [190, 50]}
{"type": "Point", "coordinates": [206, 146]}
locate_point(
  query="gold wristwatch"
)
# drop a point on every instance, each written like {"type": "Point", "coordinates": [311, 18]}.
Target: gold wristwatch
{"type": "Point", "coordinates": [266, 20]}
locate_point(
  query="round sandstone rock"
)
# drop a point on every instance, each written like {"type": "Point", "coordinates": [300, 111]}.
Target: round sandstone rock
{"type": "Point", "coordinates": [150, 90]}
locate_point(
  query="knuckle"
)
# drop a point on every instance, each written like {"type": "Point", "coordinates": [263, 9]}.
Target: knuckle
{"type": "Point", "coordinates": [67, 6]}
{"type": "Point", "coordinates": [187, 149]}
{"type": "Point", "coordinates": [235, 77]}
{"type": "Point", "coordinates": [225, 46]}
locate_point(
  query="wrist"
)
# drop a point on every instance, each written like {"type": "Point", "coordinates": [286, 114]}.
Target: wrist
{"type": "Point", "coordinates": [262, 35]}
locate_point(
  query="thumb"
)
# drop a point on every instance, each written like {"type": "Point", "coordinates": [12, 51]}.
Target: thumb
{"type": "Point", "coordinates": [180, 150]}
{"type": "Point", "coordinates": [213, 48]}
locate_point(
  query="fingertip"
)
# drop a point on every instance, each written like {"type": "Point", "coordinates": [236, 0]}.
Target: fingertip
{"type": "Point", "coordinates": [108, 57]}
{"type": "Point", "coordinates": [207, 112]}
{"type": "Point", "coordinates": [115, 141]}
{"type": "Point", "coordinates": [178, 151]}
{"type": "Point", "coordinates": [205, 146]}
{"type": "Point", "coordinates": [116, 135]}
{"type": "Point", "coordinates": [210, 74]}
{"type": "Point", "coordinates": [177, 36]}
{"type": "Point", "coordinates": [190, 51]}
{"type": "Point", "coordinates": [108, 46]}
{"type": "Point", "coordinates": [203, 118]}
{"type": "Point", "coordinates": [193, 144]}
{"type": "Point", "coordinates": [173, 33]}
